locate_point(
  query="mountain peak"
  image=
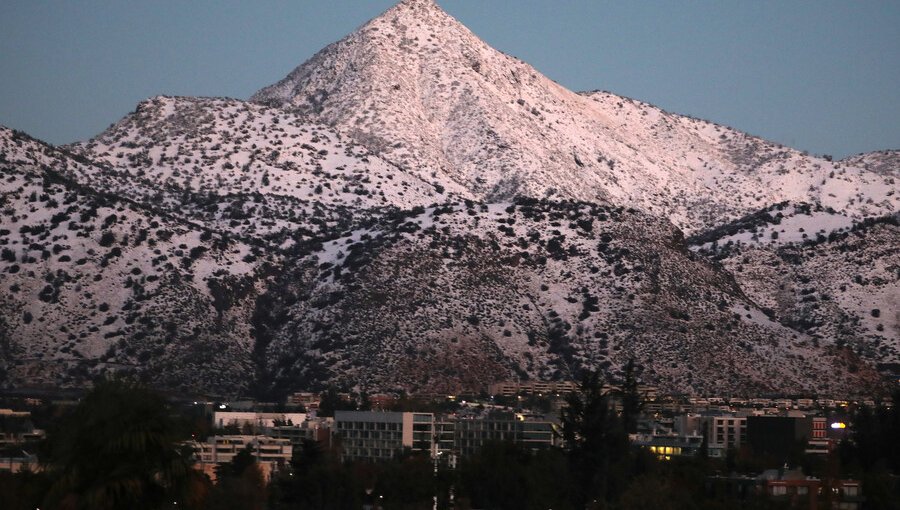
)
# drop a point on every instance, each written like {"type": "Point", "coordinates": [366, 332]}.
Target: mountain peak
{"type": "Point", "coordinates": [416, 7]}
{"type": "Point", "coordinates": [418, 88]}
{"type": "Point", "coordinates": [429, 4]}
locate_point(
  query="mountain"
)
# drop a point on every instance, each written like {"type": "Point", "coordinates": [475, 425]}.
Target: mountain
{"type": "Point", "coordinates": [818, 272]}
{"type": "Point", "coordinates": [422, 91]}
{"type": "Point", "coordinates": [248, 170]}
{"type": "Point", "coordinates": [413, 210]}
{"type": "Point", "coordinates": [445, 298]}
{"type": "Point", "coordinates": [92, 282]}
{"type": "Point", "coordinates": [885, 163]}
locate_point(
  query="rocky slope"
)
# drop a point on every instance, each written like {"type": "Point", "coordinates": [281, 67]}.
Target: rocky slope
{"type": "Point", "coordinates": [248, 170]}
{"type": "Point", "coordinates": [820, 273]}
{"type": "Point", "coordinates": [414, 210]}
{"type": "Point", "coordinates": [446, 298]}
{"type": "Point", "coordinates": [91, 282]}
{"type": "Point", "coordinates": [419, 89]}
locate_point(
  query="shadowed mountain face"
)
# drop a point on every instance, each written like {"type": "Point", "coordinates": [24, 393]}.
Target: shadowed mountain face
{"type": "Point", "coordinates": [413, 210]}
{"type": "Point", "coordinates": [447, 297]}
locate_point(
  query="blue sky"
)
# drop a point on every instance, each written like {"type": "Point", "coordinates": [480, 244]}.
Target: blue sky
{"type": "Point", "coordinates": [822, 76]}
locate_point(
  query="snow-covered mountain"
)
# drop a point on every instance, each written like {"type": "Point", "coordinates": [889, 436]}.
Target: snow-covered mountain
{"type": "Point", "coordinates": [92, 282]}
{"type": "Point", "coordinates": [422, 91]}
{"type": "Point", "coordinates": [412, 209]}
{"type": "Point", "coordinates": [247, 169]}
{"type": "Point", "coordinates": [818, 272]}
{"type": "Point", "coordinates": [443, 298]}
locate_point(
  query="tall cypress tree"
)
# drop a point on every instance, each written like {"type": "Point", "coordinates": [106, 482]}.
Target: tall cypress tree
{"type": "Point", "coordinates": [632, 402]}
{"type": "Point", "coordinates": [596, 441]}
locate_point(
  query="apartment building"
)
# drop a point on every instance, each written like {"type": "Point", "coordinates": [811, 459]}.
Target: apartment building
{"type": "Point", "coordinates": [512, 388]}
{"type": "Point", "coordinates": [256, 420]}
{"type": "Point", "coordinates": [271, 454]}
{"type": "Point", "coordinates": [725, 432]}
{"type": "Point", "coordinates": [16, 428]}
{"type": "Point", "coordinates": [382, 435]}
{"type": "Point", "coordinates": [472, 434]}
{"type": "Point", "coordinates": [312, 429]}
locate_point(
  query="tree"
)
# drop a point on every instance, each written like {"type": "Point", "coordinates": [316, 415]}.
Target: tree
{"type": "Point", "coordinates": [632, 403]}
{"type": "Point", "coordinates": [119, 449]}
{"type": "Point", "coordinates": [656, 493]}
{"type": "Point", "coordinates": [318, 480]}
{"type": "Point", "coordinates": [595, 440]}
{"type": "Point", "coordinates": [504, 475]}
{"type": "Point", "coordinates": [330, 402]}
{"type": "Point", "coordinates": [240, 484]}
{"type": "Point", "coordinates": [22, 491]}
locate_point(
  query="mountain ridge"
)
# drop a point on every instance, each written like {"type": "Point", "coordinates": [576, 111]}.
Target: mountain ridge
{"type": "Point", "coordinates": [495, 125]}
{"type": "Point", "coordinates": [411, 209]}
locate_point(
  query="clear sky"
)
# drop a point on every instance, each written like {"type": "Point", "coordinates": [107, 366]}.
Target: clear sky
{"type": "Point", "coordinates": [820, 75]}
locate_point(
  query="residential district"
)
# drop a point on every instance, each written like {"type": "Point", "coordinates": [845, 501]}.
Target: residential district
{"type": "Point", "coordinates": [448, 428]}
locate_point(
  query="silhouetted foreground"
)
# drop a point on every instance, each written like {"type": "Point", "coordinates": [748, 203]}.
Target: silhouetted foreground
{"type": "Point", "coordinates": [121, 448]}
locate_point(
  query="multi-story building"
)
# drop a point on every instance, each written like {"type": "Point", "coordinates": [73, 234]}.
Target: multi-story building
{"type": "Point", "coordinates": [805, 403]}
{"type": "Point", "coordinates": [819, 443]}
{"type": "Point", "coordinates": [271, 454]}
{"type": "Point", "coordinates": [777, 435]}
{"type": "Point", "coordinates": [795, 490]}
{"type": "Point", "coordinates": [16, 428]}
{"type": "Point", "coordinates": [668, 445]}
{"type": "Point", "coordinates": [725, 432]}
{"type": "Point", "coordinates": [305, 399]}
{"type": "Point", "coordinates": [382, 435]}
{"type": "Point", "coordinates": [256, 420]}
{"type": "Point", "coordinates": [312, 429]}
{"type": "Point", "coordinates": [786, 489]}
{"type": "Point", "coordinates": [512, 388]}
{"type": "Point", "coordinates": [472, 434]}
{"type": "Point", "coordinates": [20, 462]}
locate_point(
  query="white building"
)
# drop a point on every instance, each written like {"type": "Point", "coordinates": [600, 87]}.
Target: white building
{"type": "Point", "coordinates": [723, 431]}
{"type": "Point", "coordinates": [260, 421]}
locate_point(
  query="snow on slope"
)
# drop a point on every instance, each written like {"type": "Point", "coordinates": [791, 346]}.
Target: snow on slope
{"type": "Point", "coordinates": [92, 283]}
{"type": "Point", "coordinates": [885, 163]}
{"type": "Point", "coordinates": [776, 226]}
{"type": "Point", "coordinates": [422, 91]}
{"type": "Point", "coordinates": [839, 282]}
{"type": "Point", "coordinates": [459, 296]}
{"type": "Point", "coordinates": [410, 111]}
{"type": "Point", "coordinates": [248, 169]}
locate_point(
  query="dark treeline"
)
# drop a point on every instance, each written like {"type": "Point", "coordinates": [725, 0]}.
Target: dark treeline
{"type": "Point", "coordinates": [121, 449]}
